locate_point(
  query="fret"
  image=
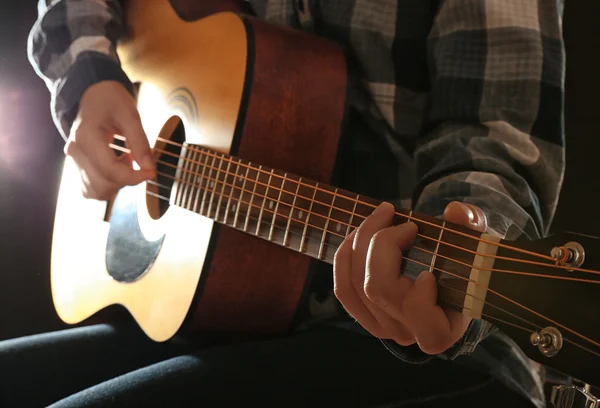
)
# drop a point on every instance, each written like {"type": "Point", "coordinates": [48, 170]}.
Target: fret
{"type": "Point", "coordinates": [180, 176]}
{"type": "Point", "coordinates": [224, 183]}
{"type": "Point", "coordinates": [419, 257]}
{"type": "Point", "coordinates": [193, 178]}
{"type": "Point", "coordinates": [273, 192]}
{"type": "Point", "coordinates": [232, 190]}
{"type": "Point", "coordinates": [274, 219]}
{"type": "Point", "coordinates": [291, 214]}
{"type": "Point", "coordinates": [215, 187]}
{"type": "Point", "coordinates": [324, 237]}
{"type": "Point", "coordinates": [364, 208]}
{"type": "Point", "coordinates": [207, 183]}
{"type": "Point", "coordinates": [303, 245]}
{"type": "Point", "coordinates": [188, 177]}
{"type": "Point", "coordinates": [214, 181]}
{"type": "Point", "coordinates": [437, 247]}
{"type": "Point", "coordinates": [265, 197]}
{"type": "Point", "coordinates": [203, 159]}
{"type": "Point", "coordinates": [356, 200]}
{"type": "Point", "coordinates": [241, 198]}
{"type": "Point", "coordinates": [251, 200]}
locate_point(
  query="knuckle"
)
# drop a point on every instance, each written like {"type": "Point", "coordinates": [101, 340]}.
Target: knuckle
{"type": "Point", "coordinates": [374, 291]}
{"type": "Point", "coordinates": [434, 345]}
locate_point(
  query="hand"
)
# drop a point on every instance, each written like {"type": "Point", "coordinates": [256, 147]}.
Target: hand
{"type": "Point", "coordinates": [368, 282]}
{"type": "Point", "coordinates": [107, 109]}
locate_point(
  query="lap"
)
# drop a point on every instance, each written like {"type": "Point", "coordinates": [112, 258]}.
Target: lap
{"type": "Point", "coordinates": [105, 366]}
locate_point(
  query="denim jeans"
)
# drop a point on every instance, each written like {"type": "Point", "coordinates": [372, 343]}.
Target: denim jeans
{"type": "Point", "coordinates": [114, 366]}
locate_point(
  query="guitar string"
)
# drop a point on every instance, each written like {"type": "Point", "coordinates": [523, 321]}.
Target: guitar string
{"type": "Point", "coordinates": [186, 183]}
{"type": "Point", "coordinates": [500, 295]}
{"type": "Point", "coordinates": [207, 152]}
{"type": "Point", "coordinates": [507, 271]}
{"type": "Point", "coordinates": [584, 348]}
{"type": "Point", "coordinates": [319, 229]}
{"type": "Point", "coordinates": [230, 159]}
{"type": "Point", "coordinates": [468, 280]}
{"type": "Point", "coordinates": [239, 163]}
{"type": "Point", "coordinates": [223, 158]}
{"type": "Point", "coordinates": [485, 302]}
{"type": "Point", "coordinates": [554, 266]}
{"type": "Point", "coordinates": [494, 292]}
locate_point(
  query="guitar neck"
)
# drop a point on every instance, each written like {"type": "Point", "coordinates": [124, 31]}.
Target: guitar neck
{"type": "Point", "coordinates": [313, 218]}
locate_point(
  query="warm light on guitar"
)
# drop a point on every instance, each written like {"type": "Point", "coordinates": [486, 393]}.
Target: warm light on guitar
{"type": "Point", "coordinates": [188, 251]}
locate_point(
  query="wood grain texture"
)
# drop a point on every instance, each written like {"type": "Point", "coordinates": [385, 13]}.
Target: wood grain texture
{"type": "Point", "coordinates": [293, 123]}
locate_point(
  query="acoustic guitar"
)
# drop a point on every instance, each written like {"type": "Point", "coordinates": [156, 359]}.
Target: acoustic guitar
{"type": "Point", "coordinates": [246, 120]}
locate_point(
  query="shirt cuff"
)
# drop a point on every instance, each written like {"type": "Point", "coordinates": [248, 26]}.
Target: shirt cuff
{"type": "Point", "coordinates": [90, 68]}
{"type": "Point", "coordinates": [477, 331]}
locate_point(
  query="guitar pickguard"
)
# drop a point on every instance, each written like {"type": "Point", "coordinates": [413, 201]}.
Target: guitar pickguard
{"type": "Point", "coordinates": [129, 255]}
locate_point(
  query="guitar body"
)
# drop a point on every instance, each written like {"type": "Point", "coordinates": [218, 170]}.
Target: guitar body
{"type": "Point", "coordinates": [236, 85]}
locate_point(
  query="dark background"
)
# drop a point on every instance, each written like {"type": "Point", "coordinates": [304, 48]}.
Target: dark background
{"type": "Point", "coordinates": [31, 158]}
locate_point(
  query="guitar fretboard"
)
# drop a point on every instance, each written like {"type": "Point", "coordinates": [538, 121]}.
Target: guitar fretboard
{"type": "Point", "coordinates": [310, 217]}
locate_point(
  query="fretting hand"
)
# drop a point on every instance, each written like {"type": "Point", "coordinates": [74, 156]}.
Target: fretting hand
{"type": "Point", "coordinates": [370, 286]}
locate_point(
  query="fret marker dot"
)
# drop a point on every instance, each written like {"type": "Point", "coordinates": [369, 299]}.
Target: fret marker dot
{"type": "Point", "coordinates": [212, 183]}
{"type": "Point", "coordinates": [271, 205]}
{"type": "Point", "coordinates": [198, 179]}
{"type": "Point", "coordinates": [300, 214]}
{"type": "Point", "coordinates": [240, 180]}
{"type": "Point", "coordinates": [233, 207]}
{"type": "Point", "coordinates": [338, 227]}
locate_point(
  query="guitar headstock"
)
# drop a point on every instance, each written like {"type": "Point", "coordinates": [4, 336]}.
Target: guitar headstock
{"type": "Point", "coordinates": [545, 294]}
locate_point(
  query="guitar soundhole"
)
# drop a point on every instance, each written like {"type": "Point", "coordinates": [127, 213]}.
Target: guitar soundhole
{"type": "Point", "coordinates": [130, 251]}
{"type": "Point", "coordinates": [167, 155]}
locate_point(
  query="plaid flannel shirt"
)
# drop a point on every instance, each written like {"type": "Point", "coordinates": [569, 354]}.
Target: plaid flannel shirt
{"type": "Point", "coordinates": [452, 100]}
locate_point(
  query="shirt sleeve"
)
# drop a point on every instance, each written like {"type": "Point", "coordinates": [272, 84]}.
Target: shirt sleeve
{"type": "Point", "coordinates": [71, 46]}
{"type": "Point", "coordinates": [494, 133]}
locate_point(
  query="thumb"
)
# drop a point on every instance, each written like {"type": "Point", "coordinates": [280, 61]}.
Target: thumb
{"type": "Point", "coordinates": [467, 215]}
{"type": "Point", "coordinates": [131, 127]}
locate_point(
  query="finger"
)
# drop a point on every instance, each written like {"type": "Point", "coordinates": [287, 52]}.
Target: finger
{"type": "Point", "coordinates": [130, 125]}
{"type": "Point", "coordinates": [344, 290]}
{"type": "Point", "coordinates": [380, 219]}
{"type": "Point", "coordinates": [434, 331]}
{"type": "Point", "coordinates": [103, 158]}
{"type": "Point", "coordinates": [385, 285]}
{"type": "Point", "coordinates": [94, 185]}
{"type": "Point", "coordinates": [467, 215]}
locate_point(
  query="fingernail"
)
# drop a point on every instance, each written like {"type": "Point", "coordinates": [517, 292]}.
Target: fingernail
{"type": "Point", "coordinates": [470, 214]}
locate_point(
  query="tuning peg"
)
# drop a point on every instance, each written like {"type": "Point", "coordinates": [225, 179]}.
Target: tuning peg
{"type": "Point", "coordinates": [549, 341]}
{"type": "Point", "coordinates": [570, 254]}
